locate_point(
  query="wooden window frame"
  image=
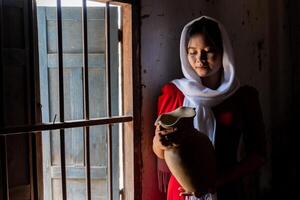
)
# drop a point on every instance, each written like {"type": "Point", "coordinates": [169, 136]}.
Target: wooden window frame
{"type": "Point", "coordinates": [132, 131]}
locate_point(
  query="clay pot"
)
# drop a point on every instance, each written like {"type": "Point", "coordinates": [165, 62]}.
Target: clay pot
{"type": "Point", "coordinates": [190, 156]}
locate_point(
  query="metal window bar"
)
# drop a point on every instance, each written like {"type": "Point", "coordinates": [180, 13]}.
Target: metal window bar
{"type": "Point", "coordinates": [86, 100]}
{"type": "Point", "coordinates": [64, 125]}
{"type": "Point", "coordinates": [108, 93]}
{"type": "Point", "coordinates": [61, 99]}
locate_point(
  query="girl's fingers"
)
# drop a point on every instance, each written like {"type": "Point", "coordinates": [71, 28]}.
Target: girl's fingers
{"type": "Point", "coordinates": [186, 194]}
{"type": "Point", "coordinates": [182, 192]}
{"type": "Point", "coordinates": [167, 131]}
{"type": "Point", "coordinates": [160, 131]}
{"type": "Point", "coordinates": [181, 189]}
{"type": "Point", "coordinates": [157, 128]}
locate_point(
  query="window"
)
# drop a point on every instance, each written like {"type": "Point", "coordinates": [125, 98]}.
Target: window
{"type": "Point", "coordinates": [87, 97]}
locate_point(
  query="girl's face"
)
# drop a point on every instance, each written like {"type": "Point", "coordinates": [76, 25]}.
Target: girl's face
{"type": "Point", "coordinates": [204, 58]}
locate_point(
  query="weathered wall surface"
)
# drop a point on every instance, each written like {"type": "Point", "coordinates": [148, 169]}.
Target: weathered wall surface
{"type": "Point", "coordinates": [260, 39]}
{"type": "Point", "coordinates": [284, 102]}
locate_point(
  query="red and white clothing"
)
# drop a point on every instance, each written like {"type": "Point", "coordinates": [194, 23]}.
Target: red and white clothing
{"type": "Point", "coordinates": [238, 115]}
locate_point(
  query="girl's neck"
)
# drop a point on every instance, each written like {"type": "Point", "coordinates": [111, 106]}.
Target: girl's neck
{"type": "Point", "coordinates": [213, 81]}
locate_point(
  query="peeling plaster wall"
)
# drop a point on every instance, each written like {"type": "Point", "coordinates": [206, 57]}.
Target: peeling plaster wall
{"type": "Point", "coordinates": [254, 32]}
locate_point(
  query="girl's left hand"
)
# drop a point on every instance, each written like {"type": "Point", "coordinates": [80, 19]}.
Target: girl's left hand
{"type": "Point", "coordinates": [196, 194]}
{"type": "Point", "coordinates": [184, 193]}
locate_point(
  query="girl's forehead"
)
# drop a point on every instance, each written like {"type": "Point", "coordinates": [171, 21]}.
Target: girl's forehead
{"type": "Point", "coordinates": [198, 40]}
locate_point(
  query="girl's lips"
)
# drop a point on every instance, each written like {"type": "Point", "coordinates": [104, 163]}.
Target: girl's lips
{"type": "Point", "coordinates": [202, 67]}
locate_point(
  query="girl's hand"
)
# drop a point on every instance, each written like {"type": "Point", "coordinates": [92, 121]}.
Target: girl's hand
{"type": "Point", "coordinates": [184, 193]}
{"type": "Point", "coordinates": [157, 140]}
{"type": "Point", "coordinates": [196, 194]}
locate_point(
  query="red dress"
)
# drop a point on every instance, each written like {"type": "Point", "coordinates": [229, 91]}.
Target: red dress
{"type": "Point", "coordinates": [238, 115]}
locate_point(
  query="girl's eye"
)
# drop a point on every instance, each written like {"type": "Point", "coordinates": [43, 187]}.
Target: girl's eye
{"type": "Point", "coordinates": [192, 53]}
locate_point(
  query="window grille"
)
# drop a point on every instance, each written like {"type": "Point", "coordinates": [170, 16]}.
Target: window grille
{"type": "Point", "coordinates": [63, 124]}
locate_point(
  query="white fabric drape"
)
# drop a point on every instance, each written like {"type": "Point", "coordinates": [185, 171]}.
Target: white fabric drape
{"type": "Point", "coordinates": [203, 98]}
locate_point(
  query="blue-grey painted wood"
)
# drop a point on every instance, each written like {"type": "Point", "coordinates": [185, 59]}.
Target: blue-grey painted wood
{"type": "Point", "coordinates": [76, 189]}
{"type": "Point", "coordinates": [75, 60]}
{"type": "Point", "coordinates": [74, 110]}
{"type": "Point", "coordinates": [43, 60]}
{"type": "Point", "coordinates": [74, 13]}
{"type": "Point", "coordinates": [79, 172]}
{"type": "Point", "coordinates": [99, 146]}
{"type": "Point", "coordinates": [72, 30]}
{"type": "Point", "coordinates": [53, 94]}
{"type": "Point", "coordinates": [97, 92]}
{"type": "Point", "coordinates": [114, 64]}
{"type": "Point", "coordinates": [73, 92]}
{"type": "Point", "coordinates": [72, 37]}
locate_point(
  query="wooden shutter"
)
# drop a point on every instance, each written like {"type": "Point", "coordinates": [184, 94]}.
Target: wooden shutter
{"type": "Point", "coordinates": [73, 94]}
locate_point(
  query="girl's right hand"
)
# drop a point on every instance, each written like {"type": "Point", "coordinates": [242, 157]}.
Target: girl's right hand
{"type": "Point", "coordinates": [162, 132]}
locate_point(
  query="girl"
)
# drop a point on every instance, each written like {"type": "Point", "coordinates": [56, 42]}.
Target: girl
{"type": "Point", "coordinates": [225, 111]}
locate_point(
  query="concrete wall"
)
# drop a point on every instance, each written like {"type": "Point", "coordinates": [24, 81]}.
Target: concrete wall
{"type": "Point", "coordinates": [260, 39]}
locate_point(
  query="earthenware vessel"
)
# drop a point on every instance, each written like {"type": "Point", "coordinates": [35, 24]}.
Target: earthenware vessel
{"type": "Point", "coordinates": [190, 155]}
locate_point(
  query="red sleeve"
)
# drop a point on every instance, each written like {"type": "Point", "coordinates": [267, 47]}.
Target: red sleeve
{"type": "Point", "coordinates": [170, 99]}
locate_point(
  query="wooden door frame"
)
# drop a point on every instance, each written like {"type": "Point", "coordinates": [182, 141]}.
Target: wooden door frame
{"type": "Point", "coordinates": [131, 75]}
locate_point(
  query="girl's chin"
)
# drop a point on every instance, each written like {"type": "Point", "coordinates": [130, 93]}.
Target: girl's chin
{"type": "Point", "coordinates": [202, 72]}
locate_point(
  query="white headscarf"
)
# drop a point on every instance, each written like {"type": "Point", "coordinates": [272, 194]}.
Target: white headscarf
{"type": "Point", "coordinates": [201, 97]}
